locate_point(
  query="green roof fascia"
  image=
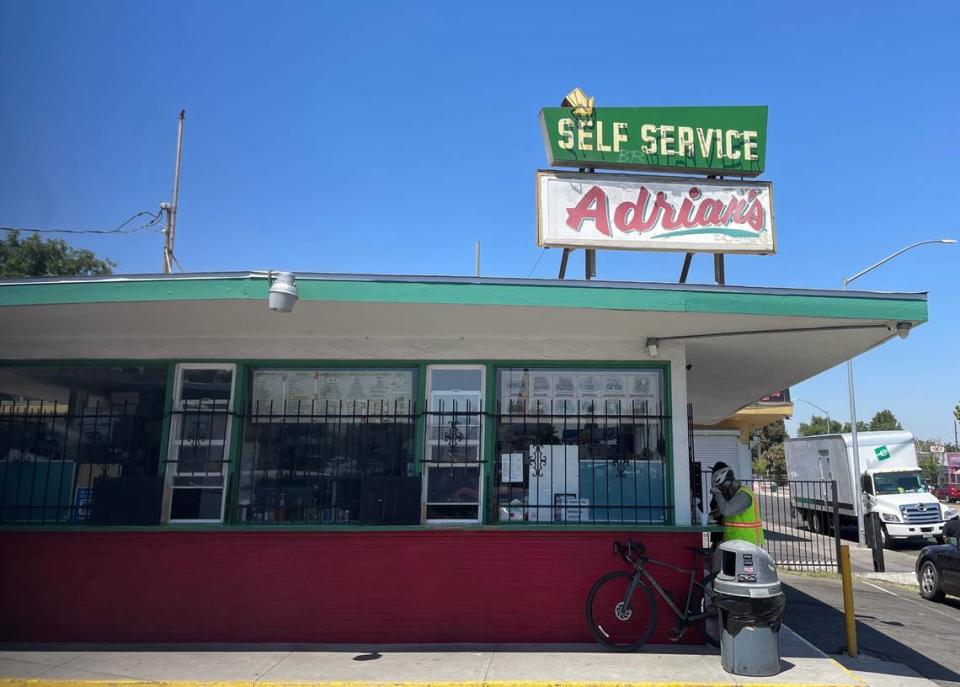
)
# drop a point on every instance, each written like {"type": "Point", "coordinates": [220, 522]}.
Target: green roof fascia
{"type": "Point", "coordinates": [550, 295]}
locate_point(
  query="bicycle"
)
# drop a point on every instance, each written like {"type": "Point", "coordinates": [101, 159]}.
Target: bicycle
{"type": "Point", "coordinates": [622, 610]}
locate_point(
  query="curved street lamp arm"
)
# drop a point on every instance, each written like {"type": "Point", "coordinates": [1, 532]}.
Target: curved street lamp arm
{"type": "Point", "coordinates": [847, 280]}
{"type": "Point", "coordinates": [803, 400]}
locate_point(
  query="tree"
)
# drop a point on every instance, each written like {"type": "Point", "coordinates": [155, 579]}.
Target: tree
{"type": "Point", "coordinates": [769, 450]}
{"type": "Point", "coordinates": [861, 427]}
{"type": "Point", "coordinates": [771, 434]}
{"type": "Point", "coordinates": [930, 465]}
{"type": "Point", "coordinates": [771, 463]}
{"type": "Point", "coordinates": [36, 257]}
{"type": "Point", "coordinates": [818, 425]}
{"type": "Point", "coordinates": [883, 421]}
{"type": "Point", "coordinates": [956, 412]}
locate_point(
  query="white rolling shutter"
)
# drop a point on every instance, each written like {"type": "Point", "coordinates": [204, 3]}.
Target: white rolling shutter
{"type": "Point", "coordinates": [711, 445]}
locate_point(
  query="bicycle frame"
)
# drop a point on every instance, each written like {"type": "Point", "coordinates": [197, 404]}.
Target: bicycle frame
{"type": "Point", "coordinates": [640, 569]}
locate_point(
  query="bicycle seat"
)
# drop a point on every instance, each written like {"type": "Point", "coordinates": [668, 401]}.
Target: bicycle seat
{"type": "Point", "coordinates": [700, 550]}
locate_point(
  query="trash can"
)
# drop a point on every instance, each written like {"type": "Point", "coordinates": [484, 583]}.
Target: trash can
{"type": "Point", "coordinates": [751, 602]}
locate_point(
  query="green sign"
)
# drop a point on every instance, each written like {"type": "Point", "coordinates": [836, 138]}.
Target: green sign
{"type": "Point", "coordinates": [726, 141]}
{"type": "Point", "coordinates": [882, 452]}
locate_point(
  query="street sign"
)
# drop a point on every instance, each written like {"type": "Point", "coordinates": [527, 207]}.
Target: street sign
{"type": "Point", "coordinates": [936, 448]}
{"type": "Point", "coordinates": [726, 141]}
{"type": "Point", "coordinates": [656, 213]}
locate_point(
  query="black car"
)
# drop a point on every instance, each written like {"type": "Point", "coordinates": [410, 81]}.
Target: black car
{"type": "Point", "coordinates": [938, 571]}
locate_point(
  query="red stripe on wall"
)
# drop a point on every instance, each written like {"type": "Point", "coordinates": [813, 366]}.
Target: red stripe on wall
{"type": "Point", "coordinates": [360, 587]}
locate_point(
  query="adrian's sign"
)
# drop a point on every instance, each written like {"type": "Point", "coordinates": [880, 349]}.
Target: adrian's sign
{"type": "Point", "coordinates": [726, 141]}
{"type": "Point", "coordinates": [636, 212]}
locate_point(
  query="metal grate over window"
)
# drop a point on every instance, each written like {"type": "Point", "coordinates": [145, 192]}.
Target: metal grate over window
{"type": "Point", "coordinates": [581, 447]}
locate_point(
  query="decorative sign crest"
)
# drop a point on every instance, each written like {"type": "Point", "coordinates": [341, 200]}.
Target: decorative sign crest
{"type": "Point", "coordinates": [582, 106]}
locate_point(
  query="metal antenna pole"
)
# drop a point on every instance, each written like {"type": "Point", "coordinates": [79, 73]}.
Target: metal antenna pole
{"type": "Point", "coordinates": [170, 231]}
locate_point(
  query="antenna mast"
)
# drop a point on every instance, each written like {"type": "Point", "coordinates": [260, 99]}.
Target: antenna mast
{"type": "Point", "coordinates": [169, 231]}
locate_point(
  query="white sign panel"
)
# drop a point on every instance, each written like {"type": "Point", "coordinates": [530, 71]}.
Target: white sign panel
{"type": "Point", "coordinates": [634, 212]}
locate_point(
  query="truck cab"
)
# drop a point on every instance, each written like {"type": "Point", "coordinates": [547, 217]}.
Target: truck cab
{"type": "Point", "coordinates": [902, 500]}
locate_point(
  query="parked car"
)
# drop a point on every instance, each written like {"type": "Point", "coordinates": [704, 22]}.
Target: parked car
{"type": "Point", "coordinates": [948, 492]}
{"type": "Point", "coordinates": [938, 571]}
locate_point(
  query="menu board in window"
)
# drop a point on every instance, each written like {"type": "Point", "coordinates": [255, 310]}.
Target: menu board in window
{"type": "Point", "coordinates": [583, 392]}
{"type": "Point", "coordinates": [322, 395]}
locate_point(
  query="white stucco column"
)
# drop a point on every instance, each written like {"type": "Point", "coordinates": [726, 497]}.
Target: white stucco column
{"type": "Point", "coordinates": [676, 353]}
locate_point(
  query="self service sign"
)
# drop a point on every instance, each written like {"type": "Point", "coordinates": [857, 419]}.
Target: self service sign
{"type": "Point", "coordinates": [660, 213]}
{"type": "Point", "coordinates": [726, 141]}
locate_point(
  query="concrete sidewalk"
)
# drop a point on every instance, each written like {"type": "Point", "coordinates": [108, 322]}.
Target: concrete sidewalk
{"type": "Point", "coordinates": [396, 665]}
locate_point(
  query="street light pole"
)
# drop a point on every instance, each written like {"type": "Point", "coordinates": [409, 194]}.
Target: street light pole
{"type": "Point", "coordinates": [858, 502]}
{"type": "Point", "coordinates": [821, 410]}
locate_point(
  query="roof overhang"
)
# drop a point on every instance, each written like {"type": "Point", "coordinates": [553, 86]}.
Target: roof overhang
{"type": "Point", "coordinates": [741, 342]}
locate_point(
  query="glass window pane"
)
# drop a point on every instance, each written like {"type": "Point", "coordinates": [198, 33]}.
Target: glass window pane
{"type": "Point", "coordinates": [62, 428]}
{"type": "Point", "coordinates": [323, 464]}
{"type": "Point", "coordinates": [196, 504]}
{"type": "Point", "coordinates": [207, 384]}
{"type": "Point", "coordinates": [202, 427]}
{"type": "Point", "coordinates": [203, 459]}
{"type": "Point", "coordinates": [581, 446]}
{"type": "Point", "coordinates": [452, 512]}
{"type": "Point", "coordinates": [456, 380]}
{"type": "Point", "coordinates": [453, 485]}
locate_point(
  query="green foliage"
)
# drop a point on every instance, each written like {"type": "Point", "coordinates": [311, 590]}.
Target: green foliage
{"type": "Point", "coordinates": [884, 421]}
{"type": "Point", "coordinates": [771, 434]}
{"type": "Point", "coordinates": [771, 463]}
{"type": "Point", "coordinates": [930, 465]}
{"type": "Point", "coordinates": [956, 412]}
{"type": "Point", "coordinates": [36, 257]}
{"type": "Point", "coordinates": [818, 425]}
{"type": "Point", "coordinates": [861, 427]}
{"type": "Point", "coordinates": [769, 451]}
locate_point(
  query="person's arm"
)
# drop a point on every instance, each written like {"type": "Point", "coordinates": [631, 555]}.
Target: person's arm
{"type": "Point", "coordinates": [739, 503]}
{"type": "Point", "coordinates": [952, 528]}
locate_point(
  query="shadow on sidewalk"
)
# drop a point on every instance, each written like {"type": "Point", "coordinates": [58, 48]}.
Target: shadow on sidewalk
{"type": "Point", "coordinates": [823, 626]}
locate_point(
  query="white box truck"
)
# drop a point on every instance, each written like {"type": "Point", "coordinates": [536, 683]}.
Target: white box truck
{"type": "Point", "coordinates": [891, 484]}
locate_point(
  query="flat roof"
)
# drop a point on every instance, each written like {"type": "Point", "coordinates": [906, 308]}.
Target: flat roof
{"type": "Point", "coordinates": [496, 291]}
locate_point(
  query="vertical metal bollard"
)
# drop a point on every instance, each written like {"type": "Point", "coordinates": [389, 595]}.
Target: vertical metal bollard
{"type": "Point", "coordinates": [872, 523]}
{"type": "Point", "coordinates": [848, 612]}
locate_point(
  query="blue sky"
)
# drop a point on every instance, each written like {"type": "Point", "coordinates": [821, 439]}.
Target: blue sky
{"type": "Point", "coordinates": [389, 137]}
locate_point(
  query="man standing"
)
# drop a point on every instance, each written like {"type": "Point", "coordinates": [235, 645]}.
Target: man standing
{"type": "Point", "coordinates": [736, 507]}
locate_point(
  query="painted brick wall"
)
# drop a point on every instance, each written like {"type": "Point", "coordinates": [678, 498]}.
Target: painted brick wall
{"type": "Point", "coordinates": [378, 587]}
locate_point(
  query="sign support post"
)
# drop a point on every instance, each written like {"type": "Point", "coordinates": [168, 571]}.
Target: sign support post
{"type": "Point", "coordinates": [688, 258]}
{"type": "Point", "coordinates": [563, 262]}
{"type": "Point", "coordinates": [718, 269]}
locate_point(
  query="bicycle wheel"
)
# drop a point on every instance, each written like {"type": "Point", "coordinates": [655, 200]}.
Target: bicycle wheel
{"type": "Point", "coordinates": [615, 625]}
{"type": "Point", "coordinates": [708, 628]}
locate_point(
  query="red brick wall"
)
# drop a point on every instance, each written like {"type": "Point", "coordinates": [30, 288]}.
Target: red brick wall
{"type": "Point", "coordinates": [377, 587]}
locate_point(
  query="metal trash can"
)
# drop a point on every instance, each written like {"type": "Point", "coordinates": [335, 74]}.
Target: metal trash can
{"type": "Point", "coordinates": [751, 602]}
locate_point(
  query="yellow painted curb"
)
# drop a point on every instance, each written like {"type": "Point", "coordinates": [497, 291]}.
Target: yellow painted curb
{"type": "Point", "coordinates": [848, 671]}
{"type": "Point", "coordinates": [122, 682]}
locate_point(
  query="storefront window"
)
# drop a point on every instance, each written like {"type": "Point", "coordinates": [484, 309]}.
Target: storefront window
{"type": "Point", "coordinates": [81, 445]}
{"type": "Point", "coordinates": [454, 443]}
{"type": "Point", "coordinates": [199, 450]}
{"type": "Point", "coordinates": [581, 446]}
{"type": "Point", "coordinates": [325, 446]}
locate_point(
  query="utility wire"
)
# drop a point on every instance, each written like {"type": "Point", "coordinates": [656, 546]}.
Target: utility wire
{"type": "Point", "coordinates": [155, 219]}
{"type": "Point", "coordinates": [542, 253]}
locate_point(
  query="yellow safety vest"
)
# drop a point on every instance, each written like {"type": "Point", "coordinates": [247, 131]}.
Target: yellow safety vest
{"type": "Point", "coordinates": [745, 525]}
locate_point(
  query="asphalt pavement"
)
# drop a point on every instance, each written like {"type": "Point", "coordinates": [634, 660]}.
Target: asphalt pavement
{"type": "Point", "coordinates": [893, 623]}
